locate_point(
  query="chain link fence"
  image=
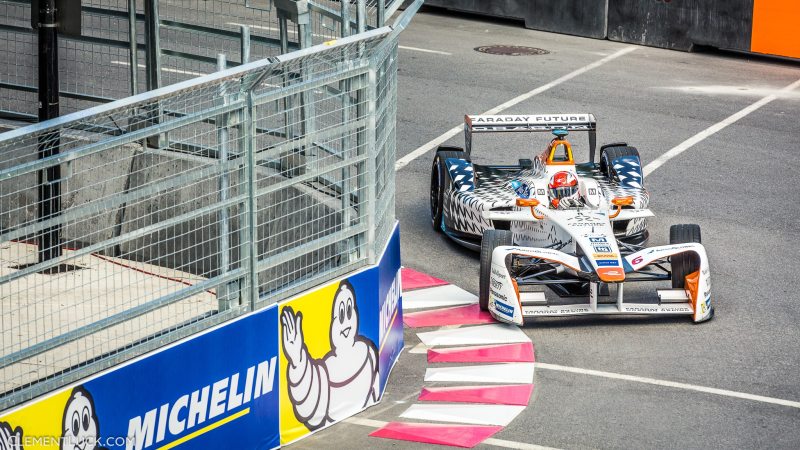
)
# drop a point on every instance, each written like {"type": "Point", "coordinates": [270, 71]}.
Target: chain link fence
{"type": "Point", "coordinates": [189, 205]}
{"type": "Point", "coordinates": [127, 47]}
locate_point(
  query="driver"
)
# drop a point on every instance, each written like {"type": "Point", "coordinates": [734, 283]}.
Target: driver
{"type": "Point", "coordinates": [563, 190]}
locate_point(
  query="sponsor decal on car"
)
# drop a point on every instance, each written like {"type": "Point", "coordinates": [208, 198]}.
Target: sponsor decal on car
{"type": "Point", "coordinates": [607, 263]}
{"type": "Point", "coordinates": [597, 239]}
{"type": "Point", "coordinates": [613, 256]}
{"type": "Point", "coordinates": [504, 309]}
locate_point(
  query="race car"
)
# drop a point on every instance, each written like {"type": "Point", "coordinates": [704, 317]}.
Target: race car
{"type": "Point", "coordinates": [554, 223]}
{"type": "Point", "coordinates": [461, 191]}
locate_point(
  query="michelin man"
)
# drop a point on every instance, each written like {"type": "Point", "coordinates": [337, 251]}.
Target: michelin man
{"type": "Point", "coordinates": [342, 382]}
{"type": "Point", "coordinates": [81, 429]}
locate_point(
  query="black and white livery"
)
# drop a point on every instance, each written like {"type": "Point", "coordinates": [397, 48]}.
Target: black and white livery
{"type": "Point", "coordinates": [577, 229]}
{"type": "Point", "coordinates": [462, 191]}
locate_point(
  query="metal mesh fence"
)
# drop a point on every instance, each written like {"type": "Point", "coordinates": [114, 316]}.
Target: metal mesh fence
{"type": "Point", "coordinates": [130, 46]}
{"type": "Point", "coordinates": [183, 207]}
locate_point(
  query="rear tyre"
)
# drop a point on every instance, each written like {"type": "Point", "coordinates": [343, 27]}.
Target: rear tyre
{"type": "Point", "coordinates": [491, 240]}
{"type": "Point", "coordinates": [685, 263]}
{"type": "Point", "coordinates": [609, 154]}
{"type": "Point", "coordinates": [439, 180]}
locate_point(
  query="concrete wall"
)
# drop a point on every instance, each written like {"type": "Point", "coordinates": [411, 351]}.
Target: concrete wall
{"type": "Point", "coordinates": [681, 24]}
{"type": "Point", "coordinates": [759, 26]}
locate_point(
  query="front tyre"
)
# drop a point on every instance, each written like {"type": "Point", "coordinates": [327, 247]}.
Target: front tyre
{"type": "Point", "coordinates": [491, 240]}
{"type": "Point", "coordinates": [684, 263]}
{"type": "Point", "coordinates": [439, 180]}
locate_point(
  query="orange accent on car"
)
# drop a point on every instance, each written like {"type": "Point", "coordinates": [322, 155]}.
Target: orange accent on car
{"type": "Point", "coordinates": [532, 203]}
{"type": "Point", "coordinates": [516, 289]}
{"type": "Point", "coordinates": [611, 274]}
{"type": "Point", "coordinates": [523, 202]}
{"type": "Point", "coordinates": [551, 153]}
{"type": "Point", "coordinates": [619, 202]}
{"type": "Point", "coordinates": [622, 201]}
{"type": "Point", "coordinates": [691, 282]}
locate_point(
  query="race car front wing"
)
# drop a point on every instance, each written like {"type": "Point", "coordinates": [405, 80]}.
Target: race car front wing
{"type": "Point", "coordinates": [508, 304]}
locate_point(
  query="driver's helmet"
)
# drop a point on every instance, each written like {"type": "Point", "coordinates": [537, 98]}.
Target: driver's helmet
{"type": "Point", "coordinates": [562, 185]}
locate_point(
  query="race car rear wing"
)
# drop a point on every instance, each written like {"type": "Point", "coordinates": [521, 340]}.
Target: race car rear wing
{"type": "Point", "coordinates": [530, 123]}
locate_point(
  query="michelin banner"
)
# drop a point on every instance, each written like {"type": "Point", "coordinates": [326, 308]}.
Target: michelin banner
{"type": "Point", "coordinates": [270, 377]}
{"type": "Point", "coordinates": [338, 345]}
{"type": "Point", "coordinates": [196, 394]}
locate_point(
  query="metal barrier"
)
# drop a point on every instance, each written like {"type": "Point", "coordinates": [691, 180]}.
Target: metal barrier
{"type": "Point", "coordinates": [130, 46]}
{"type": "Point", "coordinates": [192, 204]}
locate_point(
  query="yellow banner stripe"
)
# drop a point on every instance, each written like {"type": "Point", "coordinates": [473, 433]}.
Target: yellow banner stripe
{"type": "Point", "coordinates": [206, 429]}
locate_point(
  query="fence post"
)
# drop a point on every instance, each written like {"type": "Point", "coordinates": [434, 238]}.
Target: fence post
{"type": "Point", "coordinates": [251, 214]}
{"type": "Point", "coordinates": [245, 50]}
{"type": "Point", "coordinates": [134, 47]}
{"type": "Point", "coordinates": [152, 28]}
{"type": "Point", "coordinates": [153, 43]}
{"type": "Point", "coordinates": [223, 291]}
{"type": "Point", "coordinates": [381, 13]}
{"type": "Point", "coordinates": [370, 166]}
{"type": "Point", "coordinates": [49, 142]}
{"type": "Point", "coordinates": [361, 16]}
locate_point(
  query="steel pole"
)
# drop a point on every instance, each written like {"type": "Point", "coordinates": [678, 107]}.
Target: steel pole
{"type": "Point", "coordinates": [49, 141]}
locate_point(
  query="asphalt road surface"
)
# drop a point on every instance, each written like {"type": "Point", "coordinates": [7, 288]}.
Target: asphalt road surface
{"type": "Point", "coordinates": [738, 182]}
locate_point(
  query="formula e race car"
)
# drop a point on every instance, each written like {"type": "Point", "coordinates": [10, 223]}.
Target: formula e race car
{"type": "Point", "coordinates": [577, 229]}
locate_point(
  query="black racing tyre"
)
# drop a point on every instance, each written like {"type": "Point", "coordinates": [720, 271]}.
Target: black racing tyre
{"type": "Point", "coordinates": [438, 182]}
{"type": "Point", "coordinates": [685, 263]}
{"type": "Point", "coordinates": [491, 240]}
{"type": "Point", "coordinates": [609, 154]}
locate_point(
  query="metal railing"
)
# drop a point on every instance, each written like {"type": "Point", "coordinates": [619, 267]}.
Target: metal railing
{"type": "Point", "coordinates": [189, 205]}
{"type": "Point", "coordinates": [127, 47]}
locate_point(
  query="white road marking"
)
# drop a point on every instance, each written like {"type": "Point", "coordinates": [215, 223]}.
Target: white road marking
{"type": "Point", "coordinates": [699, 137]}
{"type": "Point", "coordinates": [739, 91]}
{"type": "Point", "coordinates": [419, 349]}
{"type": "Point", "coordinates": [366, 422]}
{"type": "Point", "coordinates": [165, 69]}
{"type": "Point", "coordinates": [672, 384]}
{"type": "Point", "coordinates": [516, 445]}
{"type": "Point", "coordinates": [402, 162]}
{"type": "Point", "coordinates": [423, 50]}
{"type": "Point", "coordinates": [463, 413]}
{"type": "Point", "coordinates": [482, 334]}
{"type": "Point", "coordinates": [438, 296]}
{"type": "Point", "coordinates": [484, 373]}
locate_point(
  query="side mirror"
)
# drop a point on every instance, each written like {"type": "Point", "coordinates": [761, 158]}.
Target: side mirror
{"type": "Point", "coordinates": [532, 203]}
{"type": "Point", "coordinates": [622, 201]}
{"type": "Point", "coordinates": [619, 202]}
{"type": "Point", "coordinates": [523, 202]}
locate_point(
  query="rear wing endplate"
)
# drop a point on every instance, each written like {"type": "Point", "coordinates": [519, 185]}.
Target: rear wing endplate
{"type": "Point", "coordinates": [530, 123]}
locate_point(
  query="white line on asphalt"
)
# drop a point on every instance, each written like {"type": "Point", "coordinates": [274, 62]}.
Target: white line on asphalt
{"type": "Point", "coordinates": [402, 162]}
{"type": "Point", "coordinates": [697, 138]}
{"type": "Point", "coordinates": [491, 441]}
{"type": "Point", "coordinates": [691, 387]}
{"type": "Point", "coordinates": [165, 69]}
{"type": "Point", "coordinates": [511, 444]}
{"type": "Point", "coordinates": [365, 422]}
{"type": "Point", "coordinates": [423, 50]}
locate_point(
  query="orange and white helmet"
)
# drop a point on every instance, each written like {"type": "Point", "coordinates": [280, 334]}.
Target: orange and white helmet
{"type": "Point", "coordinates": [562, 185]}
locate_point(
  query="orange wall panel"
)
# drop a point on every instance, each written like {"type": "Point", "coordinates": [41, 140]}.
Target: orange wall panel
{"type": "Point", "coordinates": [776, 27]}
